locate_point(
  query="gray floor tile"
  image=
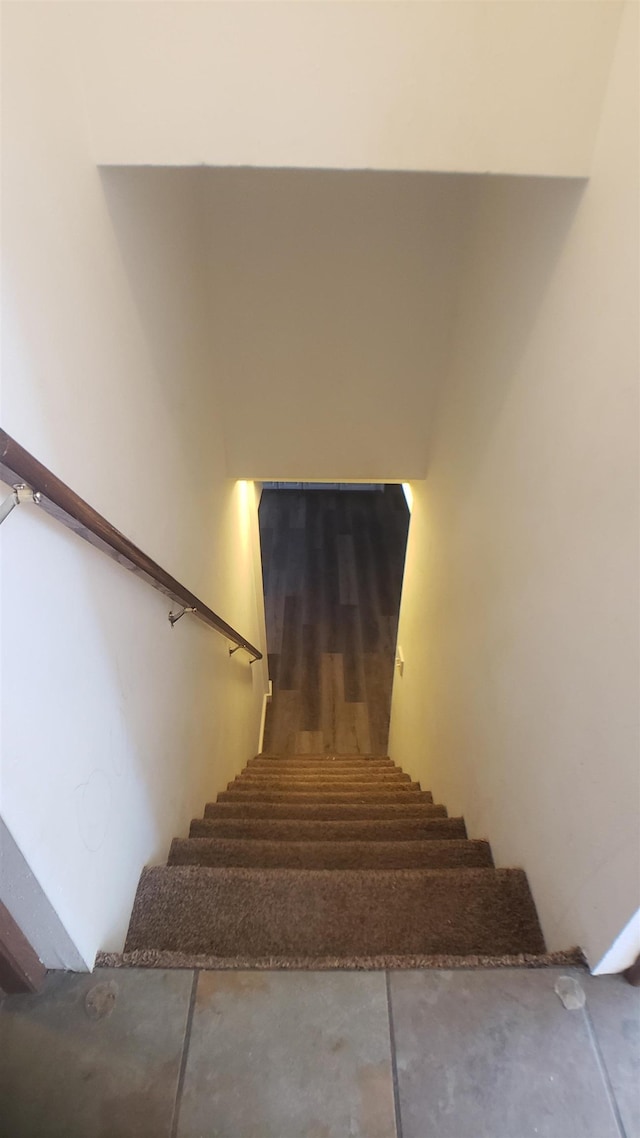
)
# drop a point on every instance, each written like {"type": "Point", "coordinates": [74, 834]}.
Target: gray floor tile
{"type": "Point", "coordinates": [289, 1055]}
{"type": "Point", "coordinates": [494, 1054]}
{"type": "Point", "coordinates": [76, 1063]}
{"type": "Point", "coordinates": [614, 1008]}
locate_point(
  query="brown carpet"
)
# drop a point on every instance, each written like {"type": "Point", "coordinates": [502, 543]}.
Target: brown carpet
{"type": "Point", "coordinates": [342, 860]}
{"type": "Point", "coordinates": [290, 830]}
{"type": "Point", "coordinates": [331, 855]}
{"type": "Point", "coordinates": [332, 797]}
{"type": "Point", "coordinates": [322, 812]}
{"type": "Point", "coordinates": [321, 758]}
{"type": "Point", "coordinates": [333, 912]}
{"type": "Point", "coordinates": [157, 958]}
{"type": "Point", "coordinates": [313, 777]}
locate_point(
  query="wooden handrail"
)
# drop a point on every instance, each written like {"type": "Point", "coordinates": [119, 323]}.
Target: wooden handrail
{"type": "Point", "coordinates": [58, 500]}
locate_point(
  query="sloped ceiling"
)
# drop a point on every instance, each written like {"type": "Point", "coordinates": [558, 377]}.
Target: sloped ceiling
{"type": "Point", "coordinates": [331, 301]}
{"type": "Point", "coordinates": [321, 306]}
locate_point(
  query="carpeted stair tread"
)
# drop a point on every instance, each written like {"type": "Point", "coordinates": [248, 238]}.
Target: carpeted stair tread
{"type": "Point", "coordinates": [342, 913]}
{"type": "Point", "coordinates": [330, 855]}
{"type": "Point", "coordinates": [292, 829]}
{"type": "Point", "coordinates": [328, 778]}
{"type": "Point", "coordinates": [379, 762]}
{"type": "Point", "coordinates": [334, 796]}
{"type": "Point", "coordinates": [155, 958]}
{"type": "Point", "coordinates": [282, 760]}
{"type": "Point", "coordinates": [365, 770]}
{"type": "Point", "coordinates": [320, 811]}
{"type": "Point", "coordinates": [326, 770]}
{"type": "Point", "coordinates": [322, 786]}
{"type": "Point", "coordinates": [361, 774]}
{"type": "Point", "coordinates": [312, 859]}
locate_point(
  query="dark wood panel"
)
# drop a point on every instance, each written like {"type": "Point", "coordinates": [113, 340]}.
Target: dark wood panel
{"type": "Point", "coordinates": [20, 968]}
{"type": "Point", "coordinates": [289, 679]}
{"type": "Point", "coordinates": [333, 565]}
{"type": "Point", "coordinates": [310, 709]}
{"type": "Point", "coordinates": [354, 686]}
{"type": "Point", "coordinates": [61, 503]}
{"type": "Point", "coordinates": [632, 973]}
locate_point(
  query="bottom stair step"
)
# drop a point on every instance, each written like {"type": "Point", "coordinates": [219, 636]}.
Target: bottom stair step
{"type": "Point", "coordinates": [451, 854]}
{"type": "Point", "coordinates": [342, 913]}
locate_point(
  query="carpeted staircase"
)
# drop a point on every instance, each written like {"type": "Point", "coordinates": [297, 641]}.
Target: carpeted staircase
{"type": "Point", "coordinates": [317, 861]}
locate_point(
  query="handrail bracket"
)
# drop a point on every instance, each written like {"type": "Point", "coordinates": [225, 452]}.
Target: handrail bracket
{"type": "Point", "coordinates": [174, 617]}
{"type": "Point", "coordinates": [14, 499]}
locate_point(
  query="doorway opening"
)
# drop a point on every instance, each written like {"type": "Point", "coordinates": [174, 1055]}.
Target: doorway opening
{"type": "Point", "coordinates": [333, 560]}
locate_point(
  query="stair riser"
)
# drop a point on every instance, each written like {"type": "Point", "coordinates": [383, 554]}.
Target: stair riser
{"type": "Point", "coordinates": [323, 776]}
{"type": "Point", "coordinates": [330, 855]}
{"type": "Point", "coordinates": [319, 797]}
{"type": "Point", "coordinates": [326, 771]}
{"type": "Point", "coordinates": [312, 786]}
{"type": "Point", "coordinates": [366, 769]}
{"type": "Point", "coordinates": [321, 758]}
{"type": "Point", "coordinates": [391, 780]}
{"type": "Point", "coordinates": [291, 830]}
{"type": "Point", "coordinates": [284, 913]}
{"type": "Point", "coordinates": [311, 811]}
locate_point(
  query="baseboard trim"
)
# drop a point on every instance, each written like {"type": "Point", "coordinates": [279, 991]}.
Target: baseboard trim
{"type": "Point", "coordinates": [263, 718]}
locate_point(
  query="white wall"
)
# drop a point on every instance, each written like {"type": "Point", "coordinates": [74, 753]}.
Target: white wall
{"type": "Point", "coordinates": [116, 728]}
{"type": "Point", "coordinates": [624, 951]}
{"type": "Point", "coordinates": [330, 312]}
{"type": "Point", "coordinates": [32, 911]}
{"type": "Point", "coordinates": [519, 622]}
{"type": "Point", "coordinates": [501, 87]}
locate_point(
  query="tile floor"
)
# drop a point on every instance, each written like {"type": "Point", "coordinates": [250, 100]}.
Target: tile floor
{"type": "Point", "coordinates": [482, 1054]}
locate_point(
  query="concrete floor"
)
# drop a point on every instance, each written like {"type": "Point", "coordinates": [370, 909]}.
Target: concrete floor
{"type": "Point", "coordinates": [463, 1054]}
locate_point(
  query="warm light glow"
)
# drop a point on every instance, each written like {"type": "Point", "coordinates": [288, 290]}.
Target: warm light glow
{"type": "Point", "coordinates": [246, 502]}
{"type": "Point", "coordinates": [408, 493]}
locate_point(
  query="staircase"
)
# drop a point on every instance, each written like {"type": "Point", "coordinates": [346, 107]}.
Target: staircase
{"type": "Point", "coordinates": [317, 861]}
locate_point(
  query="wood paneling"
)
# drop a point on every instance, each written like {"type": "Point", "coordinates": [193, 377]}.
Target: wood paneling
{"type": "Point", "coordinates": [20, 968]}
{"type": "Point", "coordinates": [332, 570]}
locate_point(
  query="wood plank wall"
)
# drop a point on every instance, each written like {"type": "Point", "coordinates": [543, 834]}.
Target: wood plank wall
{"type": "Point", "coordinates": [332, 569]}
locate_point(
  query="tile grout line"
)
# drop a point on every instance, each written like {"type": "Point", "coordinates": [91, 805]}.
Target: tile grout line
{"type": "Point", "coordinates": [185, 1052]}
{"type": "Point", "coordinates": [394, 1066]}
{"type": "Point", "coordinates": [613, 1102]}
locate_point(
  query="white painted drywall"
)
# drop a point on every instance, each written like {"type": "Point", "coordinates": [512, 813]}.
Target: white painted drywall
{"type": "Point", "coordinates": [624, 951]}
{"type": "Point", "coordinates": [498, 87]}
{"type": "Point", "coordinates": [519, 622]}
{"type": "Point", "coordinates": [116, 728]}
{"type": "Point", "coordinates": [32, 911]}
{"type": "Point", "coordinates": [331, 303]}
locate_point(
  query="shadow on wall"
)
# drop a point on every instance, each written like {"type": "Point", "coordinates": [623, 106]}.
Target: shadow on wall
{"type": "Point", "coordinates": [157, 226]}
{"type": "Point", "coordinates": [139, 721]}
{"type": "Point", "coordinates": [501, 306]}
{"type": "Point", "coordinates": [135, 724]}
{"type": "Point", "coordinates": [520, 585]}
